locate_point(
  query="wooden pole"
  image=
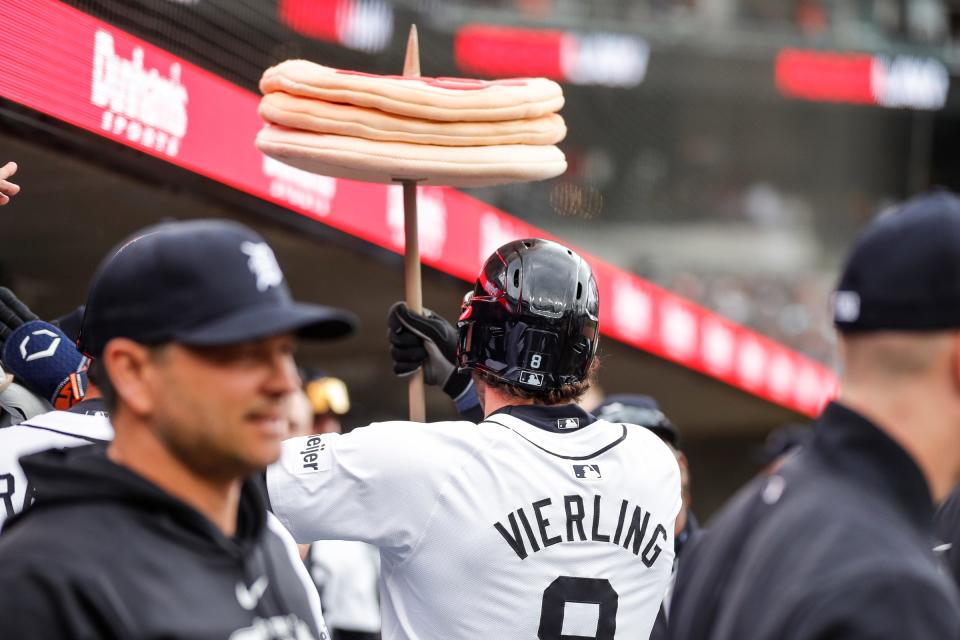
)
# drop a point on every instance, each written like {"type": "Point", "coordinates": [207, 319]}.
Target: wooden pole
{"type": "Point", "coordinates": [411, 256]}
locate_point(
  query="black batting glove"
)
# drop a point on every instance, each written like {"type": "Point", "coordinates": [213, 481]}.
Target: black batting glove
{"type": "Point", "coordinates": [425, 341]}
{"type": "Point", "coordinates": [59, 376]}
{"type": "Point", "coordinates": [13, 313]}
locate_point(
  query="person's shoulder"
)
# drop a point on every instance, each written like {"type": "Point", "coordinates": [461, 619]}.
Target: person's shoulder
{"type": "Point", "coordinates": [52, 561]}
{"type": "Point", "coordinates": [947, 520]}
{"type": "Point", "coordinates": [387, 447]}
{"type": "Point", "coordinates": [828, 505]}
{"type": "Point", "coordinates": [407, 427]}
{"type": "Point", "coordinates": [842, 561]}
{"type": "Point", "coordinates": [420, 436]}
{"type": "Point", "coordinates": [820, 525]}
{"type": "Point", "coordinates": [903, 573]}
{"type": "Point", "coordinates": [50, 543]}
{"type": "Point", "coordinates": [61, 426]}
{"type": "Point", "coordinates": [643, 436]}
{"type": "Point", "coordinates": [885, 599]}
{"type": "Point", "coordinates": [63, 532]}
{"type": "Point", "coordinates": [645, 442]}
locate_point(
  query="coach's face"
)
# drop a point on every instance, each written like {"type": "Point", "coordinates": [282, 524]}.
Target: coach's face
{"type": "Point", "coordinates": [223, 411]}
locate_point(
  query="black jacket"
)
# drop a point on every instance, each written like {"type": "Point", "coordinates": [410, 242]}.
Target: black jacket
{"type": "Point", "coordinates": [690, 531]}
{"type": "Point", "coordinates": [948, 533]}
{"type": "Point", "coordinates": [837, 544]}
{"type": "Point", "coordinates": [105, 554]}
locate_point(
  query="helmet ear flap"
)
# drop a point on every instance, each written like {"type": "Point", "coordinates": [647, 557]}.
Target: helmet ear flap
{"type": "Point", "coordinates": [515, 280]}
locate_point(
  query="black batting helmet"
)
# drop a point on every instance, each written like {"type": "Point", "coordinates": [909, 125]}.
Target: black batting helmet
{"type": "Point", "coordinates": [532, 319]}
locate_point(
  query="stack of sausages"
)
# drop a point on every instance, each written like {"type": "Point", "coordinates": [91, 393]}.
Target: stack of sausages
{"type": "Point", "coordinates": [442, 131]}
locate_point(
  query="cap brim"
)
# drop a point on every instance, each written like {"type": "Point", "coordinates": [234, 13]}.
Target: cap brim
{"type": "Point", "coordinates": [310, 321]}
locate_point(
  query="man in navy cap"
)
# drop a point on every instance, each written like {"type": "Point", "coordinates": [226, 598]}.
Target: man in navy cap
{"type": "Point", "coordinates": [837, 543]}
{"type": "Point", "coordinates": [644, 411]}
{"type": "Point", "coordinates": [162, 533]}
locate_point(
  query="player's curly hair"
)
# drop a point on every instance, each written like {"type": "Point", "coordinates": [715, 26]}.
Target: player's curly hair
{"type": "Point", "coordinates": [562, 395]}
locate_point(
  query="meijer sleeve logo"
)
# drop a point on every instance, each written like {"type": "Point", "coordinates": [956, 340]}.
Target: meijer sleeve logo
{"type": "Point", "coordinates": [314, 456]}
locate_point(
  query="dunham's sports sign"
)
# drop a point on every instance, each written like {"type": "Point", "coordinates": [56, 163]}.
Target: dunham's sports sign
{"type": "Point", "coordinates": [71, 66]}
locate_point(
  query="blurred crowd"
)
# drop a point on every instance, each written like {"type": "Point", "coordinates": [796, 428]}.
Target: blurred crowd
{"type": "Point", "coordinates": [790, 310]}
{"type": "Point", "coordinates": [918, 21]}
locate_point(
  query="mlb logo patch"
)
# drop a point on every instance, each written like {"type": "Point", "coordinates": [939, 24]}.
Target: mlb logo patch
{"type": "Point", "coordinates": [568, 424]}
{"type": "Point", "coordinates": [587, 471]}
{"type": "Point", "coordinates": [531, 378]}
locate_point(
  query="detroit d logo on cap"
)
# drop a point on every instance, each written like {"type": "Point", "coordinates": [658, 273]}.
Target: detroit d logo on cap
{"type": "Point", "coordinates": [262, 264]}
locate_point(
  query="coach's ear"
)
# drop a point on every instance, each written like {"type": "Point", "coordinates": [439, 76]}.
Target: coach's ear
{"type": "Point", "coordinates": [954, 362]}
{"type": "Point", "coordinates": [128, 366]}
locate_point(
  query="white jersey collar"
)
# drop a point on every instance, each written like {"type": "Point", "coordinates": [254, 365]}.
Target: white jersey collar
{"type": "Point", "coordinates": [577, 444]}
{"type": "Point", "coordinates": [78, 424]}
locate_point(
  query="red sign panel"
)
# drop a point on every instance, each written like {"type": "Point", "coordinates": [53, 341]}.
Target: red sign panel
{"type": "Point", "coordinates": [615, 60]}
{"type": "Point", "coordinates": [69, 65]}
{"type": "Point", "coordinates": [858, 78]}
{"type": "Point", "coordinates": [505, 51]}
{"type": "Point", "coordinates": [366, 25]}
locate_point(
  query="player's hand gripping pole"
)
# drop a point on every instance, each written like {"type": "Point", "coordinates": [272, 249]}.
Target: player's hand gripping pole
{"type": "Point", "coordinates": [411, 257]}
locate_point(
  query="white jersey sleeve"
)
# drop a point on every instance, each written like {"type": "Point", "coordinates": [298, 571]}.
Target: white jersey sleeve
{"type": "Point", "coordinates": [56, 429]}
{"type": "Point", "coordinates": [377, 484]}
{"type": "Point", "coordinates": [301, 572]}
{"type": "Point", "coordinates": [346, 574]}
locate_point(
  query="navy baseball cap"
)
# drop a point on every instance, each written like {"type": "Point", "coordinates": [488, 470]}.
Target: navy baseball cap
{"type": "Point", "coordinates": [198, 283]}
{"type": "Point", "coordinates": [903, 273]}
{"type": "Point", "coordinates": [70, 323]}
{"type": "Point", "coordinates": [639, 410]}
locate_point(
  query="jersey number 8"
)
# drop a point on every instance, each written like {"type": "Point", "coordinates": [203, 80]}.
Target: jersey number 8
{"type": "Point", "coordinates": [581, 590]}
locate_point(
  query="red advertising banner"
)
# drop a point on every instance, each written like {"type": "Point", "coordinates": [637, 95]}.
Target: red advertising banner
{"type": "Point", "coordinates": [497, 51]}
{"type": "Point", "coordinates": [901, 81]}
{"type": "Point", "coordinates": [74, 67]}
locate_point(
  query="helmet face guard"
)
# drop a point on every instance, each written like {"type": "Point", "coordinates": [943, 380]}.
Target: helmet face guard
{"type": "Point", "coordinates": [532, 318]}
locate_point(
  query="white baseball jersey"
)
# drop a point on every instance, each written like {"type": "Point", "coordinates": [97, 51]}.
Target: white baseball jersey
{"type": "Point", "coordinates": [56, 429]}
{"type": "Point", "coordinates": [346, 575]}
{"type": "Point", "coordinates": [512, 528]}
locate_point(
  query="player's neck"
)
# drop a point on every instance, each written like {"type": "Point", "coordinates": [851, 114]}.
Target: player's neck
{"type": "Point", "coordinates": [137, 448]}
{"type": "Point", "coordinates": [494, 400]}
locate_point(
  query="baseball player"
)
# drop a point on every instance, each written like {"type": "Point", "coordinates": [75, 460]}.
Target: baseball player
{"type": "Point", "coordinates": [645, 411]}
{"type": "Point", "coordinates": [346, 572]}
{"type": "Point", "coordinates": [55, 429]}
{"type": "Point", "coordinates": [541, 521]}
{"type": "Point", "coordinates": [50, 371]}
